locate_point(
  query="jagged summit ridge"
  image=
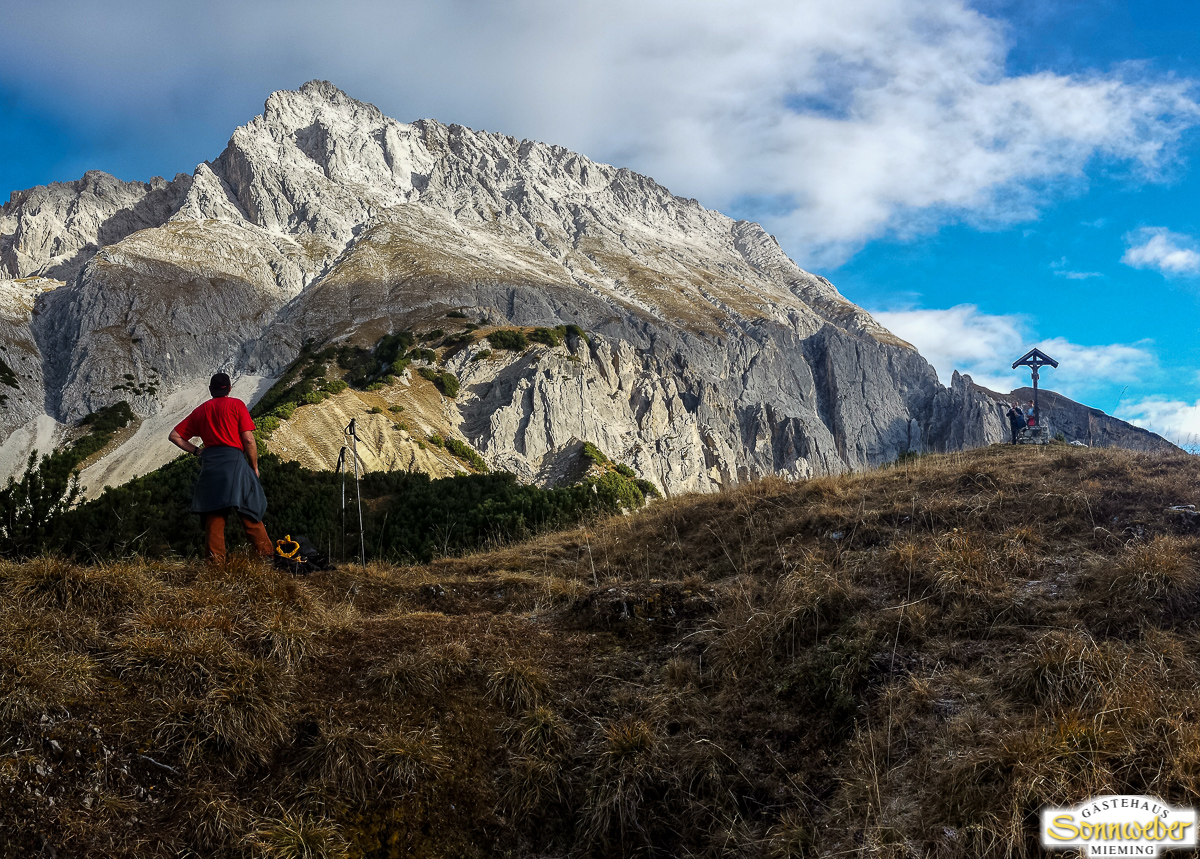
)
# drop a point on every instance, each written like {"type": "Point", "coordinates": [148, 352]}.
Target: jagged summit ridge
{"type": "Point", "coordinates": [712, 358]}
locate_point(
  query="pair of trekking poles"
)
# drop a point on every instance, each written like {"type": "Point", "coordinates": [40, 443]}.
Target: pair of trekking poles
{"type": "Point", "coordinates": [351, 434]}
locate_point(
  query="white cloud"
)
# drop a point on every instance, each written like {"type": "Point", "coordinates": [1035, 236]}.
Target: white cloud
{"type": "Point", "coordinates": [961, 338]}
{"type": "Point", "coordinates": [1174, 420]}
{"type": "Point", "coordinates": [1159, 248]}
{"type": "Point", "coordinates": [843, 119]}
{"type": "Point", "coordinates": [984, 346]}
{"type": "Point", "coordinates": [1062, 269]}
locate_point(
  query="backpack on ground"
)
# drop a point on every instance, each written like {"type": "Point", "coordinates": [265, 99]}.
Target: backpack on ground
{"type": "Point", "coordinates": [297, 556]}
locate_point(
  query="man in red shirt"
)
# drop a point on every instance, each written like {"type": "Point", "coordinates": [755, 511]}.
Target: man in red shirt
{"type": "Point", "coordinates": [226, 482]}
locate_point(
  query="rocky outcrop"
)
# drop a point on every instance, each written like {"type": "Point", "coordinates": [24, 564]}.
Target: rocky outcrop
{"type": "Point", "coordinates": [53, 230]}
{"type": "Point", "coordinates": [711, 358]}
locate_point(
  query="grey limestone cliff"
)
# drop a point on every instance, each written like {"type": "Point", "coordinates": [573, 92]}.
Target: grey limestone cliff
{"type": "Point", "coordinates": [712, 358]}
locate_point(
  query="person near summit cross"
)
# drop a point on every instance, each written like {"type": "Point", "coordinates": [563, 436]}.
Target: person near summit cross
{"type": "Point", "coordinates": [1016, 420]}
{"type": "Point", "coordinates": [227, 481]}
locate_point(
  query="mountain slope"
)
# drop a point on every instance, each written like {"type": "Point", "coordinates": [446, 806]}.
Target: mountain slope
{"type": "Point", "coordinates": [711, 358]}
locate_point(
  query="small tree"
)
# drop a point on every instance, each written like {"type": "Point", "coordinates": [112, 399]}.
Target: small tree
{"type": "Point", "coordinates": [31, 507]}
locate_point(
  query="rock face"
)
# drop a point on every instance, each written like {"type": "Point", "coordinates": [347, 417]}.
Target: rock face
{"type": "Point", "coordinates": [712, 358]}
{"type": "Point", "coordinates": [54, 229]}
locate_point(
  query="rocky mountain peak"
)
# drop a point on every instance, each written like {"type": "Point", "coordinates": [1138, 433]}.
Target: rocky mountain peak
{"type": "Point", "coordinates": [317, 101]}
{"type": "Point", "coordinates": [710, 357]}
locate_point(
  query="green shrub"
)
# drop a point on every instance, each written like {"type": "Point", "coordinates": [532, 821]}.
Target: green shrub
{"type": "Point", "coordinates": [594, 454]}
{"type": "Point", "coordinates": [456, 314]}
{"type": "Point", "coordinates": [648, 489]}
{"type": "Point", "coordinates": [32, 507]}
{"type": "Point", "coordinates": [548, 336]}
{"type": "Point", "coordinates": [447, 383]}
{"type": "Point", "coordinates": [458, 339]}
{"type": "Point", "coordinates": [311, 399]}
{"type": "Point", "coordinates": [110, 418]}
{"type": "Point", "coordinates": [284, 411]}
{"type": "Point", "coordinates": [466, 453]}
{"type": "Point", "coordinates": [364, 367]}
{"type": "Point", "coordinates": [410, 516]}
{"type": "Point", "coordinates": [437, 441]}
{"type": "Point", "coordinates": [507, 338]}
{"type": "Point", "coordinates": [375, 386]}
{"type": "Point", "coordinates": [374, 410]}
{"type": "Point", "coordinates": [427, 355]}
{"type": "Point", "coordinates": [395, 408]}
{"type": "Point", "coordinates": [389, 379]}
{"type": "Point", "coordinates": [625, 470]}
{"type": "Point", "coordinates": [398, 366]}
{"type": "Point", "coordinates": [618, 492]}
{"type": "Point", "coordinates": [265, 426]}
{"type": "Point", "coordinates": [433, 335]}
{"type": "Point", "coordinates": [305, 375]}
{"type": "Point", "coordinates": [482, 355]}
{"type": "Point", "coordinates": [336, 386]}
{"type": "Point", "coordinates": [576, 331]}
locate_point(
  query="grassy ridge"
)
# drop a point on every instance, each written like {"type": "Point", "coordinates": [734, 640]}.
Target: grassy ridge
{"type": "Point", "coordinates": [909, 662]}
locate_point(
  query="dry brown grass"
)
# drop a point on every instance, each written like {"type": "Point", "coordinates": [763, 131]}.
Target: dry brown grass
{"type": "Point", "coordinates": [908, 662]}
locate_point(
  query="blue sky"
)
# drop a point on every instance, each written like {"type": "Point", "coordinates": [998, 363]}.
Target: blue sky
{"type": "Point", "coordinates": [984, 176]}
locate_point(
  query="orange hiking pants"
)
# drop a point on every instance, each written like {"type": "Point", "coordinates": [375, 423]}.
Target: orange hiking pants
{"type": "Point", "coordinates": [214, 530]}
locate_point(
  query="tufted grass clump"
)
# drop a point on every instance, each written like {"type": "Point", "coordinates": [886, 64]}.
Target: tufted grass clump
{"type": "Point", "coordinates": [298, 836]}
{"type": "Point", "coordinates": [517, 686]}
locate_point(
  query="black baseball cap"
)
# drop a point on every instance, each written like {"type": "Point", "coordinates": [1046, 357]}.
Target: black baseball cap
{"type": "Point", "coordinates": [219, 385]}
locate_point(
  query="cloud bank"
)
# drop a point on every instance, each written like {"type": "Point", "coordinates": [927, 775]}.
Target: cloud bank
{"type": "Point", "coordinates": [985, 345]}
{"type": "Point", "coordinates": [833, 121]}
{"type": "Point", "coordinates": [1174, 420]}
{"type": "Point", "coordinates": [1162, 250]}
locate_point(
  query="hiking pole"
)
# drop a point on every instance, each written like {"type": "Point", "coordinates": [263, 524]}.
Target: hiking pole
{"type": "Point", "coordinates": [341, 467]}
{"type": "Point", "coordinates": [362, 540]}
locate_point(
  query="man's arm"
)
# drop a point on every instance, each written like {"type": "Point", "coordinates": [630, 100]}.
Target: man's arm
{"type": "Point", "coordinates": [251, 447]}
{"type": "Point", "coordinates": [182, 443]}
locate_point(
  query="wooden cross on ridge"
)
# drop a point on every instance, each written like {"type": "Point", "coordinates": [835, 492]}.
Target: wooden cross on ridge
{"type": "Point", "coordinates": [1035, 359]}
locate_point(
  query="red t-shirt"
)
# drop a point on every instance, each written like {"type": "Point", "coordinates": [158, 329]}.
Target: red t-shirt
{"type": "Point", "coordinates": [219, 422]}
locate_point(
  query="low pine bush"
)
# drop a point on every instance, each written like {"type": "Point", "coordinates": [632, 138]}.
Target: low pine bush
{"type": "Point", "coordinates": [508, 339]}
{"type": "Point", "coordinates": [547, 336]}
{"type": "Point", "coordinates": [466, 453]}
{"type": "Point", "coordinates": [447, 383]}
